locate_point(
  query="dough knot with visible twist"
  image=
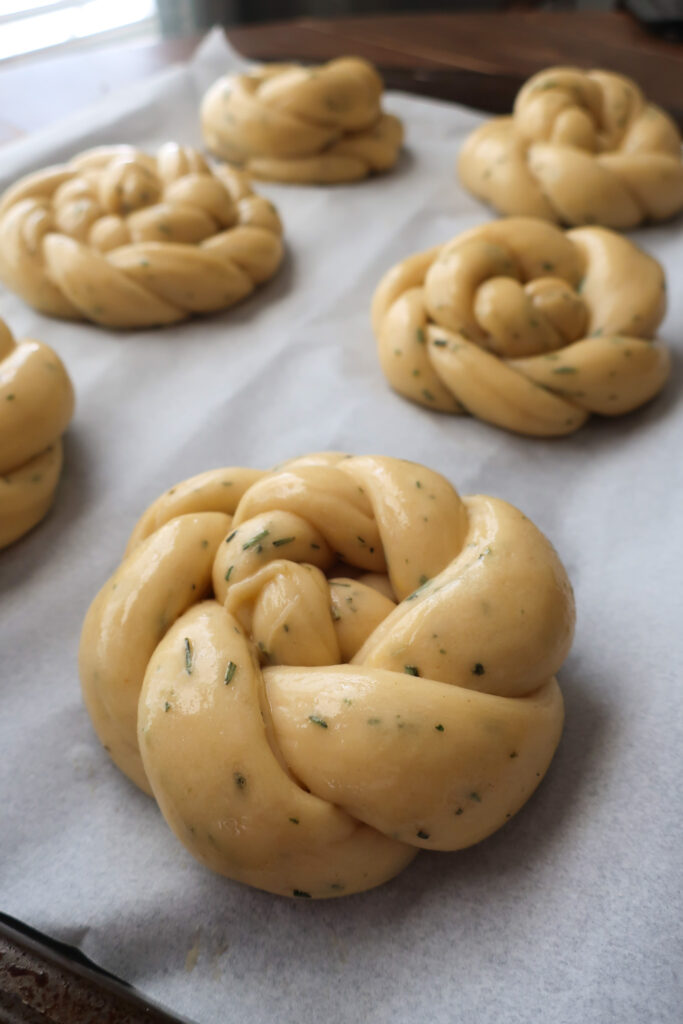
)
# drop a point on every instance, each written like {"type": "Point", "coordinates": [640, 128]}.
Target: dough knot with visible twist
{"type": "Point", "coordinates": [582, 147]}
{"type": "Point", "coordinates": [319, 125]}
{"type": "Point", "coordinates": [129, 240]}
{"type": "Point", "coordinates": [525, 326]}
{"type": "Point", "coordinates": [36, 405]}
{"type": "Point", "coordinates": [320, 669]}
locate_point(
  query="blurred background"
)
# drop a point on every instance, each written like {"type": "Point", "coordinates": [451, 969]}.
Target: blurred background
{"type": "Point", "coordinates": [35, 26]}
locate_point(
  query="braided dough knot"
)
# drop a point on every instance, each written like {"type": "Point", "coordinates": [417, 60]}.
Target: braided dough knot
{"type": "Point", "coordinates": [351, 661]}
{"type": "Point", "coordinates": [288, 123]}
{"type": "Point", "coordinates": [525, 326]}
{"type": "Point", "coordinates": [36, 405]}
{"type": "Point", "coordinates": [582, 147]}
{"type": "Point", "coordinates": [129, 240]}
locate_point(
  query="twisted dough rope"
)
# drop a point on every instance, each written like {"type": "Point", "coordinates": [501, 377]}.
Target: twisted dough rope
{"type": "Point", "coordinates": [129, 240]}
{"type": "Point", "coordinates": [582, 147]}
{"type": "Point", "coordinates": [525, 326]}
{"type": "Point", "coordinates": [409, 639]}
{"type": "Point", "coordinates": [36, 405]}
{"type": "Point", "coordinates": [320, 125]}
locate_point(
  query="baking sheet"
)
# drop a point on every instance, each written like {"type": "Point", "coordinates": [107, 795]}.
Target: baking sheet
{"type": "Point", "coordinates": [571, 913]}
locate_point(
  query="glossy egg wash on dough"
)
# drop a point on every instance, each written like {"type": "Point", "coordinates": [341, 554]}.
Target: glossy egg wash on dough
{"type": "Point", "coordinates": [321, 669]}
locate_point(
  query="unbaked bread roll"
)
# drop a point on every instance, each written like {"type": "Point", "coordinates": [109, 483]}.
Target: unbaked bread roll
{"type": "Point", "coordinates": [129, 240]}
{"type": "Point", "coordinates": [582, 147]}
{"type": "Point", "coordinates": [525, 326]}
{"type": "Point", "coordinates": [36, 405]}
{"type": "Point", "coordinates": [321, 669]}
{"type": "Point", "coordinates": [313, 125]}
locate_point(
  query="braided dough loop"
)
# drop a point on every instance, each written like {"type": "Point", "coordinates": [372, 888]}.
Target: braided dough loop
{"type": "Point", "coordinates": [318, 670]}
{"type": "Point", "coordinates": [582, 147]}
{"type": "Point", "coordinates": [525, 326]}
{"type": "Point", "coordinates": [320, 125]}
{"type": "Point", "coordinates": [36, 405]}
{"type": "Point", "coordinates": [129, 240]}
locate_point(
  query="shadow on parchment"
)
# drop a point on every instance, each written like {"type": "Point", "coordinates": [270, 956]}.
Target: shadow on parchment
{"type": "Point", "coordinates": [272, 924]}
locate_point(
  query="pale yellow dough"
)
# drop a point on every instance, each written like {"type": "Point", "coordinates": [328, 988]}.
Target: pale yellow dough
{"type": "Point", "coordinates": [127, 240]}
{"type": "Point", "coordinates": [36, 405]}
{"type": "Point", "coordinates": [321, 669]}
{"type": "Point", "coordinates": [525, 326]}
{"type": "Point", "coordinates": [582, 147]}
{"type": "Point", "coordinates": [320, 125]}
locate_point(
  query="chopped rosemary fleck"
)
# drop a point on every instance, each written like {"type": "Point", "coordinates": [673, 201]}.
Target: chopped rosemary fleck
{"type": "Point", "coordinates": [255, 540]}
{"type": "Point", "coordinates": [374, 721]}
{"type": "Point", "coordinates": [316, 547]}
{"type": "Point", "coordinates": [422, 834]}
{"type": "Point", "coordinates": [229, 672]}
{"type": "Point", "coordinates": [514, 754]}
{"type": "Point", "coordinates": [428, 395]}
{"type": "Point", "coordinates": [439, 727]}
{"type": "Point", "coordinates": [564, 369]}
{"type": "Point", "coordinates": [294, 821]}
{"type": "Point", "coordinates": [230, 536]}
{"type": "Point", "coordinates": [475, 797]}
{"type": "Point", "coordinates": [167, 706]}
{"type": "Point", "coordinates": [420, 336]}
{"type": "Point", "coordinates": [227, 575]}
{"type": "Point", "coordinates": [478, 669]}
{"type": "Point", "coordinates": [240, 780]}
{"type": "Point", "coordinates": [301, 894]}
{"type": "Point", "coordinates": [440, 342]}
{"type": "Point", "coordinates": [189, 656]}
{"type": "Point", "coordinates": [458, 810]}
{"type": "Point", "coordinates": [411, 670]}
{"type": "Point", "coordinates": [282, 541]}
{"type": "Point", "coordinates": [317, 720]}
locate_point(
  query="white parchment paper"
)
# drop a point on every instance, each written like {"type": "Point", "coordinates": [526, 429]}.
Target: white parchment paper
{"type": "Point", "coordinates": [572, 912]}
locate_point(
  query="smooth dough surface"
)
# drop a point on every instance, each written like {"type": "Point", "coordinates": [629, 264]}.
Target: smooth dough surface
{"type": "Point", "coordinates": [525, 326]}
{"type": "Point", "coordinates": [319, 670]}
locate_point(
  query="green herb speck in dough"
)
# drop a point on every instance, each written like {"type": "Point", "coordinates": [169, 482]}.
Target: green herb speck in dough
{"type": "Point", "coordinates": [229, 672]}
{"type": "Point", "coordinates": [189, 655]}
{"type": "Point", "coordinates": [411, 670]}
{"type": "Point", "coordinates": [475, 797]}
{"type": "Point", "coordinates": [439, 727]}
{"type": "Point", "coordinates": [229, 572]}
{"type": "Point", "coordinates": [282, 541]}
{"type": "Point", "coordinates": [420, 336]}
{"type": "Point", "coordinates": [294, 821]}
{"type": "Point", "coordinates": [255, 540]}
{"type": "Point", "coordinates": [240, 780]}
{"type": "Point", "coordinates": [230, 536]}
{"type": "Point", "coordinates": [167, 706]}
{"type": "Point", "coordinates": [301, 894]}
{"type": "Point", "coordinates": [422, 834]}
{"type": "Point", "coordinates": [564, 369]}
{"type": "Point", "coordinates": [317, 720]}
{"type": "Point", "coordinates": [478, 669]}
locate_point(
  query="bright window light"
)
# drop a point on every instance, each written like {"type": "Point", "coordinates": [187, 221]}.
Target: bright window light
{"type": "Point", "coordinates": [38, 24]}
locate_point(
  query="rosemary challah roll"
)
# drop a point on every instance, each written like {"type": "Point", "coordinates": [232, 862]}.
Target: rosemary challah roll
{"type": "Point", "coordinates": [36, 405]}
{"type": "Point", "coordinates": [525, 326]}
{"type": "Point", "coordinates": [125, 239]}
{"type": "Point", "coordinates": [581, 147]}
{"type": "Point", "coordinates": [321, 669]}
{"type": "Point", "coordinates": [303, 125]}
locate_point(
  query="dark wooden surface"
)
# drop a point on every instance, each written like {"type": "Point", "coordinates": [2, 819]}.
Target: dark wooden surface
{"type": "Point", "coordinates": [476, 59]}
